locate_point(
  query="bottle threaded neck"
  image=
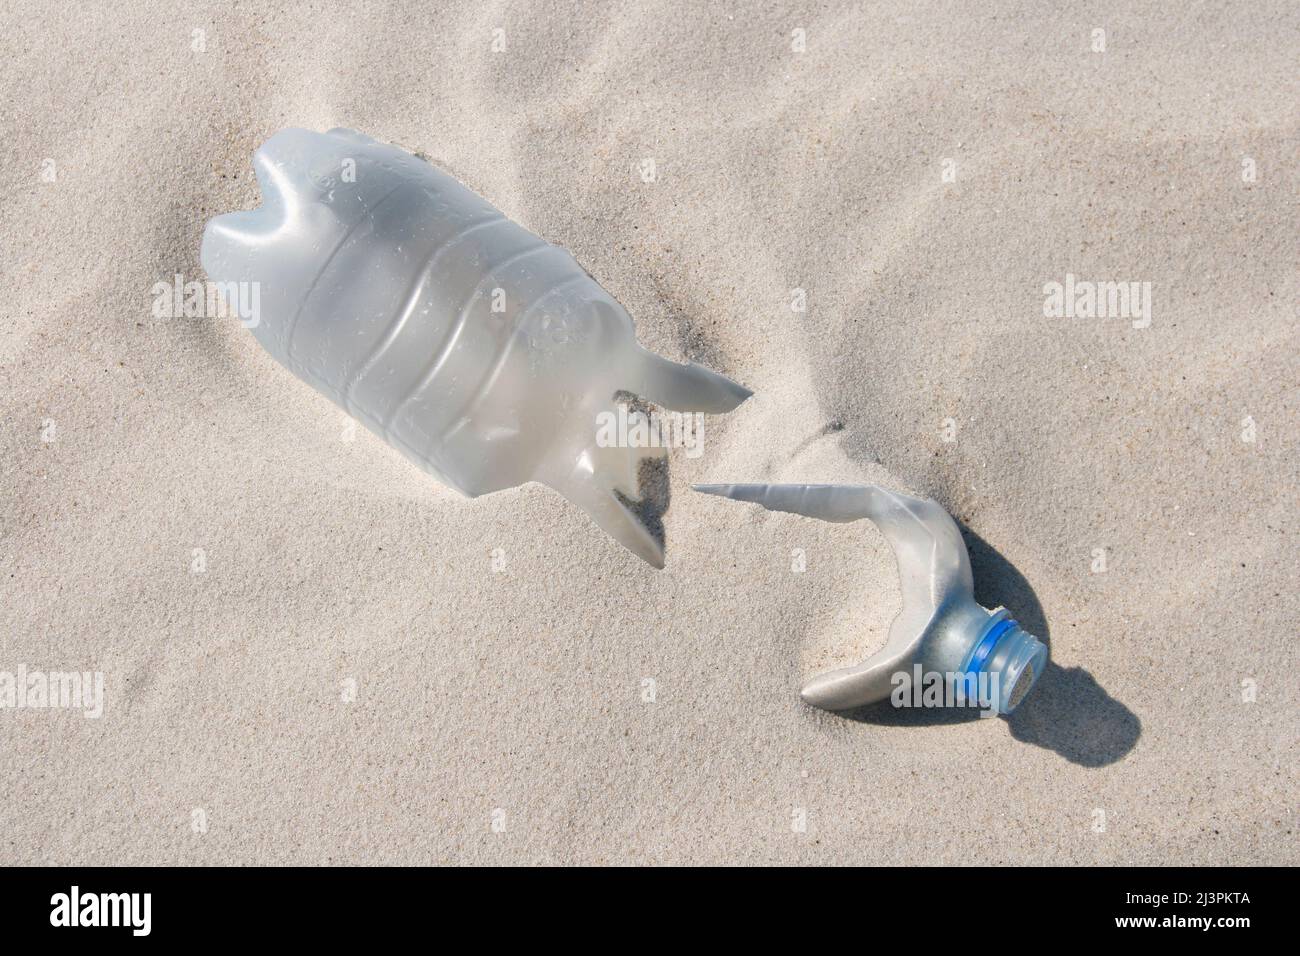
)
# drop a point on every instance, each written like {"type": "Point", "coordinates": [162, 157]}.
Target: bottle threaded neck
{"type": "Point", "coordinates": [1005, 662]}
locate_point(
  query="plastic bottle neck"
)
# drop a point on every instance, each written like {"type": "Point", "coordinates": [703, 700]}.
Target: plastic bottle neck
{"type": "Point", "coordinates": [1004, 662]}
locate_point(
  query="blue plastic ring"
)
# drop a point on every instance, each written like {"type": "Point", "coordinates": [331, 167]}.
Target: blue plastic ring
{"type": "Point", "coordinates": [984, 649]}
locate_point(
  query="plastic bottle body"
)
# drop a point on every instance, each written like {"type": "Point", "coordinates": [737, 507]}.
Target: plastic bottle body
{"type": "Point", "coordinates": [481, 351]}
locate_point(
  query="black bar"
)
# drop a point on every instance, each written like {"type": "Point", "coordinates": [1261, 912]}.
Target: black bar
{"type": "Point", "coordinates": [333, 906]}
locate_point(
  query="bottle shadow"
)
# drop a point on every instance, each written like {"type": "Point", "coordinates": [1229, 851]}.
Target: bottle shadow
{"type": "Point", "coordinates": [1068, 711]}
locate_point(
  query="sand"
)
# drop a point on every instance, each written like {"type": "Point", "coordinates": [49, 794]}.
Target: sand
{"type": "Point", "coordinates": [313, 653]}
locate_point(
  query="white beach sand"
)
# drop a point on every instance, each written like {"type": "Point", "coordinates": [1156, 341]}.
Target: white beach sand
{"type": "Point", "coordinates": [1166, 730]}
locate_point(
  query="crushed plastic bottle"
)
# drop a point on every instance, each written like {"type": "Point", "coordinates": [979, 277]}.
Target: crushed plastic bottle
{"type": "Point", "coordinates": [481, 351]}
{"type": "Point", "coordinates": [940, 627]}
